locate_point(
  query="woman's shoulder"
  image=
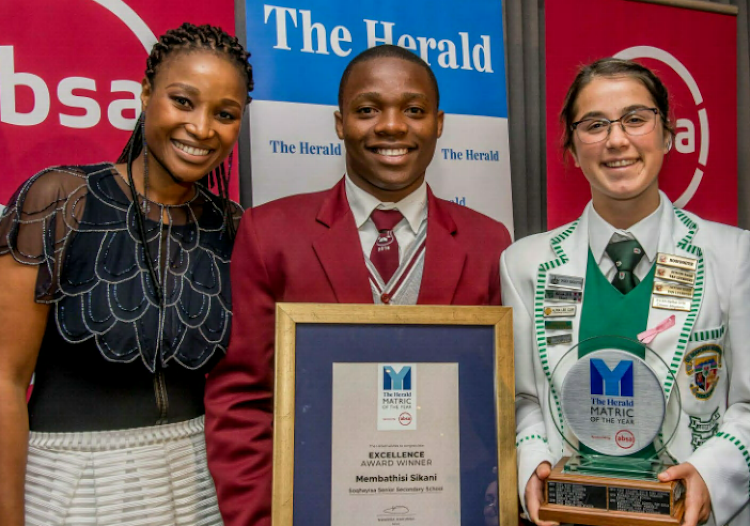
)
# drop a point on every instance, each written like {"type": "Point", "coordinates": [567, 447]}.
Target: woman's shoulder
{"type": "Point", "coordinates": [522, 259]}
{"type": "Point", "coordinates": [709, 233]}
{"type": "Point", "coordinates": [51, 186]}
{"type": "Point", "coordinates": [68, 174]}
{"type": "Point", "coordinates": [44, 209]}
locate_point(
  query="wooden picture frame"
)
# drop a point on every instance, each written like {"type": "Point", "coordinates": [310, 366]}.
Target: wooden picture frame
{"type": "Point", "coordinates": [310, 338]}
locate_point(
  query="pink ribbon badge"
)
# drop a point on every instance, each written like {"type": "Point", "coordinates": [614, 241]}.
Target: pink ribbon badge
{"type": "Point", "coordinates": [648, 335]}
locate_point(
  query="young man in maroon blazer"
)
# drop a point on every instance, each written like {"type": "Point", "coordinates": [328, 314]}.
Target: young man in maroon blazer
{"type": "Point", "coordinates": [325, 247]}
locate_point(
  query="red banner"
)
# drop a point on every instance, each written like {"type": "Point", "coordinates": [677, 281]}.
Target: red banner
{"type": "Point", "coordinates": [70, 74]}
{"type": "Point", "coordinates": [694, 53]}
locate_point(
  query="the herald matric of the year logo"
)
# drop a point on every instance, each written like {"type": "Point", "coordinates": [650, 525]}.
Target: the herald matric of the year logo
{"type": "Point", "coordinates": [702, 365]}
{"type": "Point", "coordinates": [397, 397]}
{"type": "Point", "coordinates": [611, 399]}
{"type": "Point", "coordinates": [394, 380]}
{"type": "Point", "coordinates": [611, 382]}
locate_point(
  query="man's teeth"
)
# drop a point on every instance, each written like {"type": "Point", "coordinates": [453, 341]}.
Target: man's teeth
{"type": "Point", "coordinates": [190, 149]}
{"type": "Point", "coordinates": [392, 152]}
{"type": "Point", "coordinates": [620, 164]}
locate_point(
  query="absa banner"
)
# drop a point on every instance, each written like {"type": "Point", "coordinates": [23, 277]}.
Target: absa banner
{"type": "Point", "coordinates": [70, 76]}
{"type": "Point", "coordinates": [695, 55]}
{"type": "Point", "coordinates": [300, 49]}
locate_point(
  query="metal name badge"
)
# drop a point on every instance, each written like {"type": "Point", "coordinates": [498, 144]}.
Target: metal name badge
{"type": "Point", "coordinates": [671, 303]}
{"type": "Point", "coordinates": [670, 289]}
{"type": "Point", "coordinates": [559, 339]}
{"type": "Point", "coordinates": [561, 311]}
{"type": "Point", "coordinates": [558, 325]}
{"type": "Point", "coordinates": [673, 274]}
{"type": "Point", "coordinates": [565, 282]}
{"type": "Point", "coordinates": [613, 402]}
{"type": "Point", "coordinates": [671, 260]}
{"type": "Point", "coordinates": [563, 295]}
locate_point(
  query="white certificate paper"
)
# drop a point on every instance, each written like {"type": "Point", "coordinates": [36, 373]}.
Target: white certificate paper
{"type": "Point", "coordinates": [386, 470]}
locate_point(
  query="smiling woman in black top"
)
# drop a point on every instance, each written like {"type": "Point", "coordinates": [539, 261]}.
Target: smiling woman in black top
{"type": "Point", "coordinates": [114, 289]}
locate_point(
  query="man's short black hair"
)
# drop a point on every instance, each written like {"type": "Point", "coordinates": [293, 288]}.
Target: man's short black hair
{"type": "Point", "coordinates": [387, 51]}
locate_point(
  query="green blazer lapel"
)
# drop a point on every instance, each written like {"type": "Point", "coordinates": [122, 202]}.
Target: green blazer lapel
{"type": "Point", "coordinates": [570, 248]}
{"type": "Point", "coordinates": [677, 233]}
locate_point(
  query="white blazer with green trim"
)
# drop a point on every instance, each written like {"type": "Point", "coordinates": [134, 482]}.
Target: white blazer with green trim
{"type": "Point", "coordinates": [713, 432]}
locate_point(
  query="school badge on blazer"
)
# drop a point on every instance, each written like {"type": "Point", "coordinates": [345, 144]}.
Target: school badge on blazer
{"type": "Point", "coordinates": [702, 365]}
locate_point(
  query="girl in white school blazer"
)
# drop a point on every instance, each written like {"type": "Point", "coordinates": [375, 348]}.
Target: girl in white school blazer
{"type": "Point", "coordinates": [617, 131]}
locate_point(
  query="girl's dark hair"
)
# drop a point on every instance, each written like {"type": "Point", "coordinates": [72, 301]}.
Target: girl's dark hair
{"type": "Point", "coordinates": [611, 68]}
{"type": "Point", "coordinates": [186, 38]}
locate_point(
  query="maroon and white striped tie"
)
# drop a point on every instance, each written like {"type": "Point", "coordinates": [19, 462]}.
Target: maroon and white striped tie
{"type": "Point", "coordinates": [384, 253]}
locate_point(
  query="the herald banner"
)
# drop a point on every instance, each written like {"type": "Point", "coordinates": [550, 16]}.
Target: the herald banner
{"type": "Point", "coordinates": [301, 48]}
{"type": "Point", "coordinates": [70, 76]}
{"type": "Point", "coordinates": [694, 53]}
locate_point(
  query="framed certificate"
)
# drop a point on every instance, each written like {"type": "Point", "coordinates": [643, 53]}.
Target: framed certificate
{"type": "Point", "coordinates": [394, 415]}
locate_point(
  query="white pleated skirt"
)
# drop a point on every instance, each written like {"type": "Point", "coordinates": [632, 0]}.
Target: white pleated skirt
{"type": "Point", "coordinates": [149, 476]}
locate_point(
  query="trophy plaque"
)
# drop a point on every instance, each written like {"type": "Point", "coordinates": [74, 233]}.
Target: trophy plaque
{"type": "Point", "coordinates": [614, 407]}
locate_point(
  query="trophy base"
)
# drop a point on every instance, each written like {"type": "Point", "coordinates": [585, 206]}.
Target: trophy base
{"type": "Point", "coordinates": [605, 501]}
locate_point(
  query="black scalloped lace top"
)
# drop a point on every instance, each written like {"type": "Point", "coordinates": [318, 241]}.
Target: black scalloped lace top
{"type": "Point", "coordinates": [111, 358]}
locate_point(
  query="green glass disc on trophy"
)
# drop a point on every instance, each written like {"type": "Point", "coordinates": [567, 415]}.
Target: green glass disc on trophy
{"type": "Point", "coordinates": [613, 402]}
{"type": "Point", "coordinates": [613, 411]}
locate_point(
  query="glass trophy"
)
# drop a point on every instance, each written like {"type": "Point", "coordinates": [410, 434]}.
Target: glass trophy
{"type": "Point", "coordinates": [609, 393]}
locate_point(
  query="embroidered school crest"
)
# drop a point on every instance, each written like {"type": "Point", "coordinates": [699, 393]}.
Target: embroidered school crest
{"type": "Point", "coordinates": [385, 239]}
{"type": "Point", "coordinates": [702, 364]}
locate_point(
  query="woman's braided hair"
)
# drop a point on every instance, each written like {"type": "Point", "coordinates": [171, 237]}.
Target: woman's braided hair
{"type": "Point", "coordinates": [190, 37]}
{"type": "Point", "coordinates": [186, 38]}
